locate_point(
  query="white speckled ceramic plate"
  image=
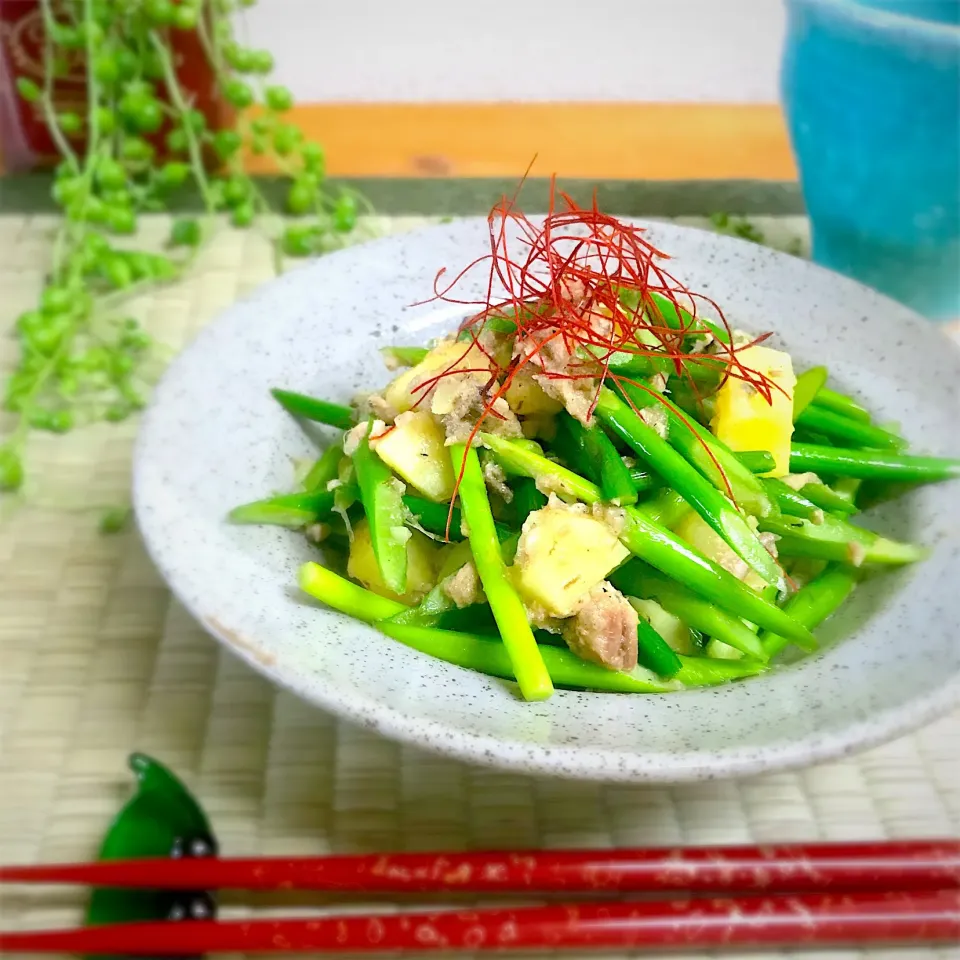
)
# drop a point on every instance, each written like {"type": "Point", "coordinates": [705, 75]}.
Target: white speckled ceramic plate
{"type": "Point", "coordinates": [214, 438]}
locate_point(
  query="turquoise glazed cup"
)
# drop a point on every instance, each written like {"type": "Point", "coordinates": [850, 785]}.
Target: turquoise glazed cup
{"type": "Point", "coordinates": [871, 91]}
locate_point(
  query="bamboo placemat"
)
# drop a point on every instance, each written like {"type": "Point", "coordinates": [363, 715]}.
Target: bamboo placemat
{"type": "Point", "coordinates": [97, 660]}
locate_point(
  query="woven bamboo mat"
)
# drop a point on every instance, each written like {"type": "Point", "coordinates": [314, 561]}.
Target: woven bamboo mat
{"type": "Point", "coordinates": [96, 660]}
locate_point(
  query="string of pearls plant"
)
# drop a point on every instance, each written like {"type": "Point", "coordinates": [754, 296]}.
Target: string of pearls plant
{"type": "Point", "coordinates": [141, 139]}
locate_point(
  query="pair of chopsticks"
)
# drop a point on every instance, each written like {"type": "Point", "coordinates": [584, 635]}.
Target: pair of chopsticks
{"type": "Point", "coordinates": [789, 895]}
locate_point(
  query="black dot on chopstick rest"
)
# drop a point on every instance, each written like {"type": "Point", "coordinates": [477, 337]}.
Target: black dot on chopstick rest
{"type": "Point", "coordinates": [177, 912]}
{"type": "Point", "coordinates": [202, 847]}
{"type": "Point", "coordinates": [203, 907]}
{"type": "Point", "coordinates": [192, 904]}
{"type": "Point", "coordinates": [193, 847]}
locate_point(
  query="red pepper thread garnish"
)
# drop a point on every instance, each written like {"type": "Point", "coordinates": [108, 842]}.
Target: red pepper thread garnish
{"type": "Point", "coordinates": [564, 282]}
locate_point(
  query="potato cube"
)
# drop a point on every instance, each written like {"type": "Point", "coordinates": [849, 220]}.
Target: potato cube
{"type": "Point", "coordinates": [451, 355]}
{"type": "Point", "coordinates": [525, 397]}
{"type": "Point", "coordinates": [562, 555]}
{"type": "Point", "coordinates": [744, 420]}
{"type": "Point", "coordinates": [414, 449]}
{"type": "Point", "coordinates": [422, 555]}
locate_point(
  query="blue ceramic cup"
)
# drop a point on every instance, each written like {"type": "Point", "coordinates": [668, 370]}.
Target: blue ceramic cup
{"type": "Point", "coordinates": [871, 90]}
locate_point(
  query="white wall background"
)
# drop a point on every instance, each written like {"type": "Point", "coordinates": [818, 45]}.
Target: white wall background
{"type": "Point", "coordinates": [417, 50]}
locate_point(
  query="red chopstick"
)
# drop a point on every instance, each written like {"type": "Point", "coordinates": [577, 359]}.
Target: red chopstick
{"type": "Point", "coordinates": [811, 868]}
{"type": "Point", "coordinates": [856, 919]}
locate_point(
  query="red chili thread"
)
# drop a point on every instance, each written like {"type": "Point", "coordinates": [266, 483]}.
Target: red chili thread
{"type": "Point", "coordinates": [562, 276]}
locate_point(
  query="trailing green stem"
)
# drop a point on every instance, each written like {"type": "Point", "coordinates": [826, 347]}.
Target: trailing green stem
{"type": "Point", "coordinates": [593, 454]}
{"type": "Point", "coordinates": [826, 498]}
{"type": "Point", "coordinates": [792, 502]}
{"type": "Point", "coordinates": [179, 101]}
{"type": "Point", "coordinates": [654, 652]}
{"type": "Point", "coordinates": [326, 468]}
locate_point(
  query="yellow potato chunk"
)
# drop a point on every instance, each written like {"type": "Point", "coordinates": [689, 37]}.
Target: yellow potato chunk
{"type": "Point", "coordinates": [421, 564]}
{"type": "Point", "coordinates": [414, 450]}
{"type": "Point", "coordinates": [526, 398]}
{"type": "Point", "coordinates": [744, 420]}
{"type": "Point", "coordinates": [562, 555]}
{"type": "Point", "coordinates": [402, 394]}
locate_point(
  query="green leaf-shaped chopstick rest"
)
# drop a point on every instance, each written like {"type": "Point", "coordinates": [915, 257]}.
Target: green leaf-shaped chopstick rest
{"type": "Point", "coordinates": [162, 819]}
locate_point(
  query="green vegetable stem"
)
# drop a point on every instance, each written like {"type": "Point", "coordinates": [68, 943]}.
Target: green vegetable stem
{"type": "Point", "coordinates": [699, 492]}
{"type": "Point", "coordinates": [382, 497]}
{"type": "Point", "coordinates": [519, 458]}
{"type": "Point", "coordinates": [325, 469]}
{"type": "Point", "coordinates": [871, 464]}
{"type": "Point", "coordinates": [663, 310]}
{"type": "Point", "coordinates": [638, 580]}
{"type": "Point", "coordinates": [792, 502]}
{"type": "Point", "coordinates": [729, 472]}
{"type": "Point", "coordinates": [643, 480]}
{"type": "Point", "coordinates": [489, 656]}
{"type": "Point", "coordinates": [666, 508]}
{"type": "Point", "coordinates": [433, 517]}
{"type": "Point", "coordinates": [344, 595]}
{"type": "Point", "coordinates": [842, 404]}
{"type": "Point", "coordinates": [809, 385]}
{"type": "Point", "coordinates": [405, 356]}
{"type": "Point", "coordinates": [518, 641]}
{"type": "Point", "coordinates": [655, 653]}
{"type": "Point", "coordinates": [429, 611]}
{"type": "Point", "coordinates": [310, 408]}
{"type": "Point", "coordinates": [826, 498]}
{"type": "Point", "coordinates": [669, 554]}
{"type": "Point", "coordinates": [839, 427]}
{"type": "Point", "coordinates": [756, 461]}
{"type": "Point", "coordinates": [647, 537]}
{"type": "Point", "coordinates": [595, 455]}
{"type": "Point", "coordinates": [836, 539]}
{"type": "Point", "coordinates": [812, 604]}
{"type": "Point", "coordinates": [289, 510]}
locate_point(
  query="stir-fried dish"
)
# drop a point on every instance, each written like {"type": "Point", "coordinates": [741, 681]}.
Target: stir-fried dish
{"type": "Point", "coordinates": [595, 482]}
